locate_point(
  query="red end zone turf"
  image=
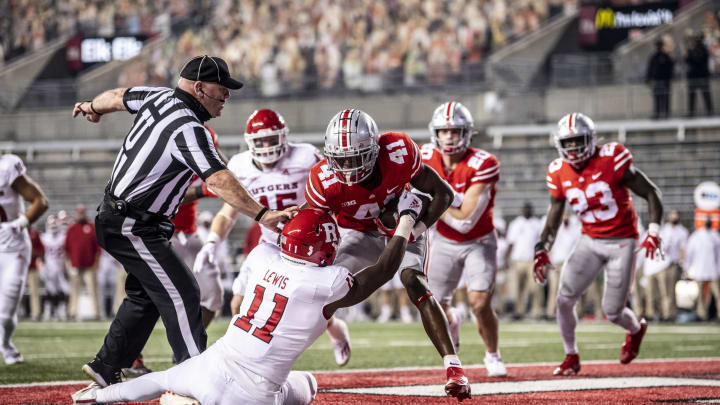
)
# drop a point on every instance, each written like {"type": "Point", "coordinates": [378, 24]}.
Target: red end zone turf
{"type": "Point", "coordinates": [639, 382]}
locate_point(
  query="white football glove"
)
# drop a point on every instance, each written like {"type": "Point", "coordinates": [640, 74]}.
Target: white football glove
{"type": "Point", "coordinates": [205, 255]}
{"type": "Point", "coordinates": [409, 204]}
{"type": "Point", "coordinates": [16, 225]}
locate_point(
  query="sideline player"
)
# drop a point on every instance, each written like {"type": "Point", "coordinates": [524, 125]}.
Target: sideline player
{"type": "Point", "coordinates": [15, 186]}
{"type": "Point", "coordinates": [361, 173]}
{"type": "Point", "coordinates": [595, 180]}
{"type": "Point", "coordinates": [54, 270]}
{"type": "Point", "coordinates": [464, 239]}
{"type": "Point", "coordinates": [274, 171]}
{"type": "Point", "coordinates": [295, 289]}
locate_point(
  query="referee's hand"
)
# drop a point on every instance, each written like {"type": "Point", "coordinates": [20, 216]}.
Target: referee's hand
{"type": "Point", "coordinates": [272, 218]}
{"type": "Point", "coordinates": [84, 108]}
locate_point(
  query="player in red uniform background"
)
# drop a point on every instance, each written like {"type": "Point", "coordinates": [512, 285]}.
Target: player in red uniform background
{"type": "Point", "coordinates": [361, 173]}
{"type": "Point", "coordinates": [595, 181]}
{"type": "Point", "coordinates": [464, 239]}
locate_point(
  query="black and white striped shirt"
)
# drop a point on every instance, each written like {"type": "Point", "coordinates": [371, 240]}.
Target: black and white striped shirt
{"type": "Point", "coordinates": [165, 146]}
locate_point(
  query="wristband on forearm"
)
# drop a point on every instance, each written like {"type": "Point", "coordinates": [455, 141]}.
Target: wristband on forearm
{"type": "Point", "coordinates": [93, 108]}
{"type": "Point", "coordinates": [541, 246]}
{"type": "Point", "coordinates": [260, 214]}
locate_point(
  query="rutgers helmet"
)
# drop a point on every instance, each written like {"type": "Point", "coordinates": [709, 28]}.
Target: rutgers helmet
{"type": "Point", "coordinates": [261, 126]}
{"type": "Point", "coordinates": [310, 238]}
{"type": "Point", "coordinates": [452, 115]}
{"type": "Point", "coordinates": [579, 129]}
{"type": "Point", "coordinates": [51, 224]}
{"type": "Point", "coordinates": [351, 145]}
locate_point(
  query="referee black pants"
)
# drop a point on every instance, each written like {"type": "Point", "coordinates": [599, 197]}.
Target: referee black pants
{"type": "Point", "coordinates": [158, 284]}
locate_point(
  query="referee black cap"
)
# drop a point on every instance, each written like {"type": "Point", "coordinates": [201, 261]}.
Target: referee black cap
{"type": "Point", "coordinates": [209, 69]}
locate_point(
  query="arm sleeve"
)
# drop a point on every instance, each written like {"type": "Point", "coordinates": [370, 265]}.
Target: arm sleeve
{"type": "Point", "coordinates": [135, 97]}
{"type": "Point", "coordinates": [196, 150]}
{"type": "Point", "coordinates": [622, 159]}
{"type": "Point", "coordinates": [314, 191]}
{"type": "Point", "coordinates": [489, 172]}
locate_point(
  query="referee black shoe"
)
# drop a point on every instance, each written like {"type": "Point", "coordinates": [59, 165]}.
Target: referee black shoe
{"type": "Point", "coordinates": [102, 373]}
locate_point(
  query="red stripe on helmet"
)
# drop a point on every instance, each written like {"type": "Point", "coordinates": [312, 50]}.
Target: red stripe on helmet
{"type": "Point", "coordinates": [448, 112]}
{"type": "Point", "coordinates": [570, 123]}
{"type": "Point", "coordinates": [344, 135]}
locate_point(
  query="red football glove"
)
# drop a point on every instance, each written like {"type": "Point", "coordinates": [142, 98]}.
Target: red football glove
{"type": "Point", "coordinates": [651, 244]}
{"type": "Point", "coordinates": [540, 266]}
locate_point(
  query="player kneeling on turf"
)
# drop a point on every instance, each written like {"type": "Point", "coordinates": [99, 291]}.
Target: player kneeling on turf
{"type": "Point", "coordinates": [292, 291]}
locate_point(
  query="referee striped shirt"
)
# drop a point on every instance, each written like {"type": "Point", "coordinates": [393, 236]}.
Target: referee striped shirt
{"type": "Point", "coordinates": [165, 146]}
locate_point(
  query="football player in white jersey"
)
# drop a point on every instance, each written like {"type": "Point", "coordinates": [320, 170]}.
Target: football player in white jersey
{"type": "Point", "coordinates": [53, 270]}
{"type": "Point", "coordinates": [294, 291]}
{"type": "Point", "coordinates": [15, 186]}
{"type": "Point", "coordinates": [275, 172]}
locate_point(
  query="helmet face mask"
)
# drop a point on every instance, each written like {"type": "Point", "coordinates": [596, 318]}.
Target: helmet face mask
{"type": "Point", "coordinates": [452, 115]}
{"type": "Point", "coordinates": [351, 146]}
{"type": "Point", "coordinates": [266, 136]}
{"type": "Point", "coordinates": [575, 138]}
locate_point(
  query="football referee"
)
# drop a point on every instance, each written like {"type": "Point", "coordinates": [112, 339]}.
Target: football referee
{"type": "Point", "coordinates": [165, 146]}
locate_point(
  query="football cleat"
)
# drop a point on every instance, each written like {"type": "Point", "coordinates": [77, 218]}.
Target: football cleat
{"type": "Point", "coordinates": [11, 355]}
{"type": "Point", "coordinates": [457, 384]}
{"type": "Point", "coordinates": [171, 398]}
{"type": "Point", "coordinates": [342, 351]}
{"type": "Point", "coordinates": [137, 369]}
{"type": "Point", "coordinates": [569, 366]}
{"type": "Point", "coordinates": [494, 366]}
{"type": "Point", "coordinates": [102, 373]}
{"type": "Point", "coordinates": [631, 348]}
{"type": "Point", "coordinates": [87, 395]}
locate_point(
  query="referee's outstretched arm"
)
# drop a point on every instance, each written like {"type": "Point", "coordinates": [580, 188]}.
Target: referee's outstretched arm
{"type": "Point", "coordinates": [223, 182]}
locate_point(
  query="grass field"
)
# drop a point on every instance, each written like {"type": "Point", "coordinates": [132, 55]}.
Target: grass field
{"type": "Point", "coordinates": [56, 351]}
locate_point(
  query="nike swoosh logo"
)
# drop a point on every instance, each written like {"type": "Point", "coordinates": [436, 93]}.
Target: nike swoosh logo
{"type": "Point", "coordinates": [390, 190]}
{"type": "Point", "coordinates": [596, 175]}
{"type": "Point", "coordinates": [458, 185]}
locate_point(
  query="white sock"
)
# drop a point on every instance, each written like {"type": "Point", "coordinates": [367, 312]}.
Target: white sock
{"type": "Point", "coordinates": [338, 330]}
{"type": "Point", "coordinates": [567, 322]}
{"type": "Point", "coordinates": [452, 360]}
{"type": "Point", "coordinates": [495, 355]}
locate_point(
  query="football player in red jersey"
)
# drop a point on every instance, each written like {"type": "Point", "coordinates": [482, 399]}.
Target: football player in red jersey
{"type": "Point", "coordinates": [595, 180]}
{"type": "Point", "coordinates": [361, 173]}
{"type": "Point", "coordinates": [464, 238]}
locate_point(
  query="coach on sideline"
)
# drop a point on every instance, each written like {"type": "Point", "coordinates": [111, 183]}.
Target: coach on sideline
{"type": "Point", "coordinates": [165, 146]}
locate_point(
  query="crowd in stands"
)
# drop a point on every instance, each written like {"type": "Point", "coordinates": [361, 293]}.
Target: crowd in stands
{"type": "Point", "coordinates": [363, 45]}
{"type": "Point", "coordinates": [28, 25]}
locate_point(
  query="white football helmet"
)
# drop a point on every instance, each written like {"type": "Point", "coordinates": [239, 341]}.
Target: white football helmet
{"type": "Point", "coordinates": [51, 224]}
{"type": "Point", "coordinates": [351, 145]}
{"type": "Point", "coordinates": [580, 129]}
{"type": "Point", "coordinates": [263, 126]}
{"type": "Point", "coordinates": [452, 115]}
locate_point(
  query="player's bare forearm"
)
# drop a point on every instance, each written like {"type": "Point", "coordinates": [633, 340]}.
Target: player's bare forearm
{"type": "Point", "coordinates": [373, 277]}
{"type": "Point", "coordinates": [552, 223]}
{"type": "Point", "coordinates": [470, 201]}
{"type": "Point", "coordinates": [428, 181]}
{"type": "Point", "coordinates": [31, 192]}
{"type": "Point", "coordinates": [226, 186]}
{"type": "Point", "coordinates": [641, 185]}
